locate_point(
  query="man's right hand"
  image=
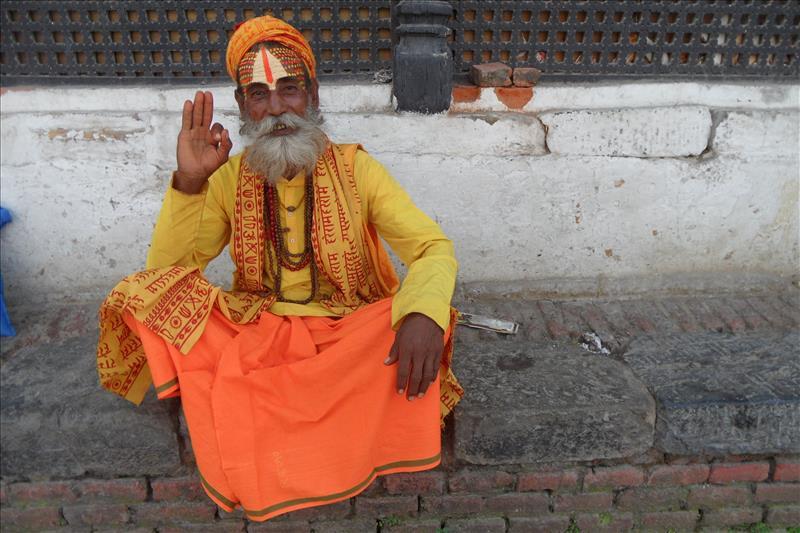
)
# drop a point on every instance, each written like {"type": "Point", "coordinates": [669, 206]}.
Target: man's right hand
{"type": "Point", "coordinates": [202, 148]}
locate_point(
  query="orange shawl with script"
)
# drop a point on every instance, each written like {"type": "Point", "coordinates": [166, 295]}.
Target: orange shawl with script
{"type": "Point", "coordinates": [175, 302]}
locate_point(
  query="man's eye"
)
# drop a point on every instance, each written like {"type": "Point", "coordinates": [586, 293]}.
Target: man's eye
{"type": "Point", "coordinates": [257, 94]}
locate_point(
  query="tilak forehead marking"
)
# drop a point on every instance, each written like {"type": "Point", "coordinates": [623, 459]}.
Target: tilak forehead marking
{"type": "Point", "coordinates": [268, 64]}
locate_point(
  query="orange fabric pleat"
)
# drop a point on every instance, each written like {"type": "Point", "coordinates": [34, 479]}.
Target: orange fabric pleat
{"type": "Point", "coordinates": [293, 412]}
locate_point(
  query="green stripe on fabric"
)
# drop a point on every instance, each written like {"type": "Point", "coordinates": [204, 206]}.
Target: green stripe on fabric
{"type": "Point", "coordinates": [168, 385]}
{"type": "Point", "coordinates": [344, 493]}
{"type": "Point", "coordinates": [216, 493]}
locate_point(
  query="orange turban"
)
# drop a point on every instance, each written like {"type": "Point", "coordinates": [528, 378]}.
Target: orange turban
{"type": "Point", "coordinates": [267, 29]}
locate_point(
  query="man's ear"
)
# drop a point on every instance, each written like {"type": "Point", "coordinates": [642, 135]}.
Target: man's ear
{"type": "Point", "coordinates": [313, 93]}
{"type": "Point", "coordinates": [239, 95]}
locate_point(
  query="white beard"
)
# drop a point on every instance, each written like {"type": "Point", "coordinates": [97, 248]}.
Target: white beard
{"type": "Point", "coordinates": [276, 156]}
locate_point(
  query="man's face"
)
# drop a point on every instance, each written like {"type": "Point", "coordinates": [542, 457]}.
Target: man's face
{"type": "Point", "coordinates": [289, 94]}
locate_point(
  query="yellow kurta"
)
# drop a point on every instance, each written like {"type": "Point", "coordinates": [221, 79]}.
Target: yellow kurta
{"type": "Point", "coordinates": [193, 229]}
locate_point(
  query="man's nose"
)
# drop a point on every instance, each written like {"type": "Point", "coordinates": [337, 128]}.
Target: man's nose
{"type": "Point", "coordinates": [275, 104]}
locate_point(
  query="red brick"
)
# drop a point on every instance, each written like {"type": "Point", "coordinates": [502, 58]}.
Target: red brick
{"type": "Point", "coordinates": [466, 93]}
{"type": "Point", "coordinates": [669, 521]}
{"type": "Point", "coordinates": [731, 473]}
{"type": "Point", "coordinates": [555, 523]}
{"type": "Point", "coordinates": [277, 526]}
{"type": "Point", "coordinates": [777, 493]}
{"type": "Point", "coordinates": [170, 513]}
{"type": "Point", "coordinates": [604, 522]}
{"type": "Point", "coordinates": [476, 525]}
{"type": "Point", "coordinates": [480, 480]}
{"type": "Point", "coordinates": [375, 488]}
{"type": "Point", "coordinates": [96, 514]}
{"type": "Point", "coordinates": [787, 470]}
{"type": "Point", "coordinates": [412, 526]}
{"type": "Point", "coordinates": [525, 76]}
{"type": "Point", "coordinates": [710, 497]}
{"type": "Point", "coordinates": [386, 506]}
{"type": "Point", "coordinates": [112, 490]}
{"type": "Point", "coordinates": [731, 517]}
{"type": "Point", "coordinates": [415, 483]}
{"type": "Point", "coordinates": [678, 474]}
{"type": "Point", "coordinates": [650, 498]}
{"type": "Point", "coordinates": [355, 525]}
{"type": "Point", "coordinates": [452, 504]}
{"type": "Point", "coordinates": [514, 97]}
{"type": "Point", "coordinates": [491, 75]}
{"type": "Point", "coordinates": [211, 527]}
{"type": "Point", "coordinates": [591, 501]}
{"type": "Point", "coordinates": [783, 515]}
{"type": "Point", "coordinates": [613, 477]}
{"type": "Point", "coordinates": [34, 518]}
{"type": "Point", "coordinates": [331, 511]}
{"type": "Point", "coordinates": [41, 493]}
{"type": "Point", "coordinates": [178, 488]}
{"type": "Point", "coordinates": [555, 480]}
{"type": "Point", "coordinates": [516, 503]}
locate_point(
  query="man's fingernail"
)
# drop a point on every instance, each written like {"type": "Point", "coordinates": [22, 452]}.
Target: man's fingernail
{"type": "Point", "coordinates": [386, 361]}
{"type": "Point", "coordinates": [399, 391]}
{"type": "Point", "coordinates": [421, 395]}
{"type": "Point", "coordinates": [411, 398]}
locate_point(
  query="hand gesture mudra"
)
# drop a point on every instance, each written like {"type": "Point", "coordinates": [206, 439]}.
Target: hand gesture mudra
{"type": "Point", "coordinates": [202, 148]}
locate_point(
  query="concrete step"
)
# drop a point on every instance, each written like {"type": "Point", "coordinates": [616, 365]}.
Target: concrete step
{"type": "Point", "coordinates": [539, 397]}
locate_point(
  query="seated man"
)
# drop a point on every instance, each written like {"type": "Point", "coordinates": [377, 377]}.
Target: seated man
{"type": "Point", "coordinates": [315, 373]}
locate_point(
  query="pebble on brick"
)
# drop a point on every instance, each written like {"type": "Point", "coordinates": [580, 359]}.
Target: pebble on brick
{"type": "Point", "coordinates": [491, 75]}
{"type": "Point", "coordinates": [526, 76]}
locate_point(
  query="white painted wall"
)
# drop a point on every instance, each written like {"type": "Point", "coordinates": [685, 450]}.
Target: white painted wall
{"type": "Point", "coordinates": [588, 189]}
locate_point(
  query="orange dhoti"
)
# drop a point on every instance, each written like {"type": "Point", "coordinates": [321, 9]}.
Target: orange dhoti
{"type": "Point", "coordinates": [291, 412]}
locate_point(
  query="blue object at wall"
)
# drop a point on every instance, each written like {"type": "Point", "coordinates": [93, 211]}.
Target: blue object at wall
{"type": "Point", "coordinates": [6, 329]}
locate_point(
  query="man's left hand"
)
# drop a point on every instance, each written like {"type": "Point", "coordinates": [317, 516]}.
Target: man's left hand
{"type": "Point", "coordinates": [418, 347]}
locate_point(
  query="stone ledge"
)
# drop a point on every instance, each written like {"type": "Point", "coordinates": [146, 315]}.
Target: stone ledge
{"type": "Point", "coordinates": [721, 393]}
{"type": "Point", "coordinates": [537, 398]}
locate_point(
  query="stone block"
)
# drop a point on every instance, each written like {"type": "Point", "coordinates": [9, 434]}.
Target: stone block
{"type": "Point", "coordinates": [786, 470]}
{"type": "Point", "coordinates": [602, 522]}
{"type": "Point", "coordinates": [56, 421]}
{"type": "Point", "coordinates": [723, 394]}
{"type": "Point", "coordinates": [652, 499]}
{"type": "Point", "coordinates": [517, 503]}
{"type": "Point", "coordinates": [545, 402]}
{"type": "Point", "coordinates": [759, 134]}
{"type": "Point", "coordinates": [491, 75]}
{"type": "Point", "coordinates": [95, 515]}
{"type": "Point", "coordinates": [654, 132]}
{"type": "Point", "coordinates": [386, 506]}
{"type": "Point", "coordinates": [731, 517]}
{"type": "Point", "coordinates": [584, 501]}
{"type": "Point", "coordinates": [778, 493]}
{"type": "Point", "coordinates": [712, 497]}
{"type": "Point", "coordinates": [433, 134]}
{"type": "Point", "coordinates": [526, 76]}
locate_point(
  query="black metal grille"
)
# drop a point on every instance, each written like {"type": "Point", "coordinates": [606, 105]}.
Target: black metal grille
{"type": "Point", "coordinates": [169, 40]}
{"type": "Point", "coordinates": [638, 38]}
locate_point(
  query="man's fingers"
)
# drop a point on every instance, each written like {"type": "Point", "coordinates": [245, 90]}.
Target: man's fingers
{"type": "Point", "coordinates": [225, 145]}
{"type": "Point", "coordinates": [215, 133]}
{"type": "Point", "coordinates": [186, 116]}
{"type": "Point", "coordinates": [403, 370]}
{"type": "Point", "coordinates": [208, 109]}
{"type": "Point", "coordinates": [414, 380]}
{"type": "Point", "coordinates": [197, 111]}
{"type": "Point", "coordinates": [428, 375]}
{"type": "Point", "coordinates": [393, 354]}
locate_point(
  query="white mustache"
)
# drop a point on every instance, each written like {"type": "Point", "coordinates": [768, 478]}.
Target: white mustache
{"type": "Point", "coordinates": [256, 129]}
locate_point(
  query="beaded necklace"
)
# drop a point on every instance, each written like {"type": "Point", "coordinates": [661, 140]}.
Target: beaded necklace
{"type": "Point", "coordinates": [278, 255]}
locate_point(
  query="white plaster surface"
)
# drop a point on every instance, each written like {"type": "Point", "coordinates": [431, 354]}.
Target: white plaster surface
{"type": "Point", "coordinates": [653, 132]}
{"type": "Point", "coordinates": [758, 134]}
{"type": "Point", "coordinates": [83, 172]}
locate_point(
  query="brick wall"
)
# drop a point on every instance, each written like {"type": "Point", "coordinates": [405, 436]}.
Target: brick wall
{"type": "Point", "coordinates": [671, 493]}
